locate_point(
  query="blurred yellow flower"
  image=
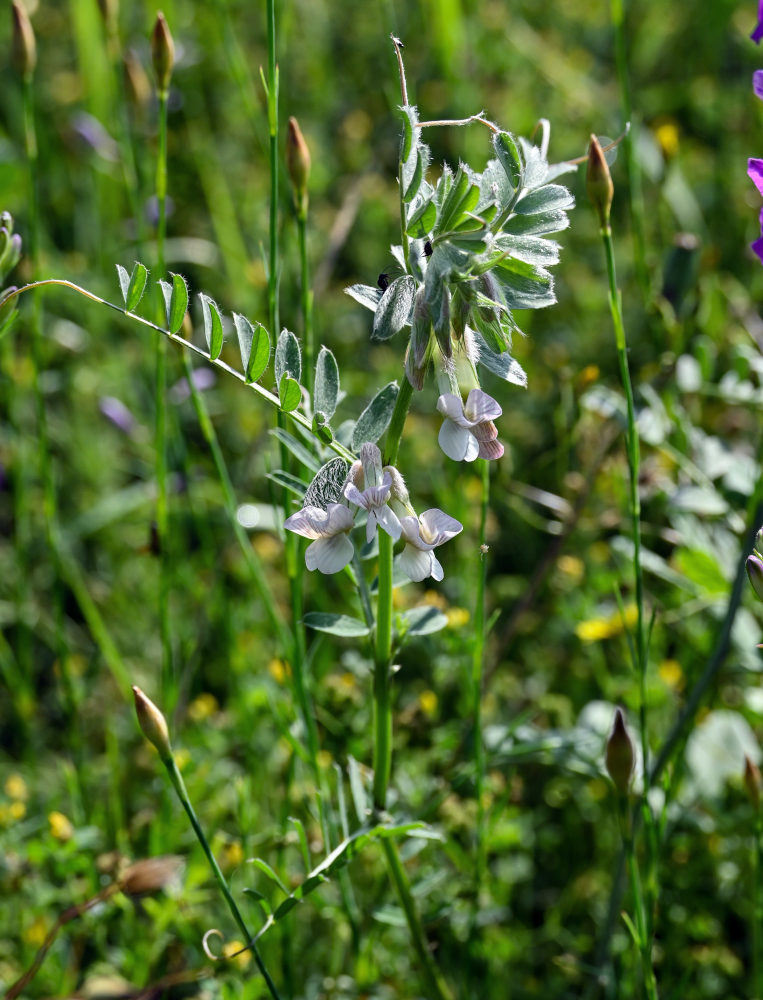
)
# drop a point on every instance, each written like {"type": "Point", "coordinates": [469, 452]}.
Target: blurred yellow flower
{"type": "Point", "coordinates": [278, 670]}
{"type": "Point", "coordinates": [60, 826]}
{"type": "Point", "coordinates": [182, 756]}
{"type": "Point", "coordinates": [457, 617]}
{"type": "Point", "coordinates": [428, 702]}
{"type": "Point", "coordinates": [15, 787]}
{"type": "Point", "coordinates": [572, 567]}
{"type": "Point", "coordinates": [203, 706]}
{"type": "Point", "coordinates": [36, 932]}
{"type": "Point", "coordinates": [666, 135]}
{"type": "Point", "coordinates": [670, 671]}
{"type": "Point", "coordinates": [594, 629]}
{"type": "Point", "coordinates": [231, 948]}
{"type": "Point", "coordinates": [17, 811]}
{"type": "Point", "coordinates": [233, 854]}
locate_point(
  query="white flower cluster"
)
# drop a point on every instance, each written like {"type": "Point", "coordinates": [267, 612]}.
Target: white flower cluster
{"type": "Point", "coordinates": [381, 492]}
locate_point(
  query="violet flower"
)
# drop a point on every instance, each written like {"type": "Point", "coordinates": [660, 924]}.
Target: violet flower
{"type": "Point", "coordinates": [468, 431]}
{"type": "Point", "coordinates": [331, 549]}
{"type": "Point", "coordinates": [377, 486]}
{"type": "Point", "coordinates": [757, 34]}
{"type": "Point", "coordinates": [423, 534]}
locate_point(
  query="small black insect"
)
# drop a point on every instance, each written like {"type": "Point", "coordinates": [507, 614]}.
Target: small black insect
{"type": "Point", "coordinates": [428, 251]}
{"type": "Point", "coordinates": [383, 282]}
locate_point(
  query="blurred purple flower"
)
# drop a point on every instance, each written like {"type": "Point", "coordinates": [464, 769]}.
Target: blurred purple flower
{"type": "Point", "coordinates": [758, 32]}
{"type": "Point", "coordinates": [92, 132]}
{"type": "Point", "coordinates": [757, 246]}
{"type": "Point", "coordinates": [116, 411]}
{"type": "Point", "coordinates": [203, 378]}
{"type": "Point", "coordinates": [757, 83]}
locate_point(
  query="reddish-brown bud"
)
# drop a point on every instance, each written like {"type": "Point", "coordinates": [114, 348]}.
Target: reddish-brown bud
{"type": "Point", "coordinates": [752, 781]}
{"type": "Point", "coordinates": [599, 182]}
{"type": "Point", "coordinates": [24, 46]}
{"type": "Point", "coordinates": [152, 723]}
{"type": "Point", "coordinates": [162, 54]}
{"type": "Point", "coordinates": [619, 755]}
{"type": "Point", "coordinates": [298, 165]}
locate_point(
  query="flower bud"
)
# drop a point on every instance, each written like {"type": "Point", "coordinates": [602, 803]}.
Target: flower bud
{"type": "Point", "coordinates": [10, 251]}
{"type": "Point", "coordinates": [152, 723]}
{"type": "Point", "coordinates": [162, 54]}
{"type": "Point", "coordinates": [619, 755]}
{"type": "Point", "coordinates": [24, 47]}
{"type": "Point", "coordinates": [752, 781]}
{"type": "Point", "coordinates": [599, 182]}
{"type": "Point", "coordinates": [755, 572]}
{"type": "Point", "coordinates": [758, 547]}
{"type": "Point", "coordinates": [298, 165]}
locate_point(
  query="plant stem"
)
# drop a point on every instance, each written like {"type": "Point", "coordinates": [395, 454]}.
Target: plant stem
{"type": "Point", "coordinates": [639, 906]}
{"type": "Point", "coordinates": [382, 714]}
{"type": "Point", "coordinates": [179, 785]}
{"type": "Point", "coordinates": [757, 909]}
{"type": "Point", "coordinates": [635, 194]}
{"type": "Point", "coordinates": [272, 94]}
{"type": "Point", "coordinates": [269, 397]}
{"type": "Point", "coordinates": [162, 514]}
{"type": "Point", "coordinates": [478, 653]}
{"type": "Point", "coordinates": [306, 296]}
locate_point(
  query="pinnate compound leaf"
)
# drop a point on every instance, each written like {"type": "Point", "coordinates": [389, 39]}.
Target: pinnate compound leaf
{"type": "Point", "coordinates": [254, 344]}
{"type": "Point", "coordinates": [288, 359]}
{"type": "Point", "coordinates": [394, 309]}
{"type": "Point", "coordinates": [374, 420]}
{"type": "Point", "coordinates": [326, 386]}
{"type": "Point", "coordinates": [213, 326]}
{"type": "Point", "coordinates": [289, 394]}
{"type": "Point", "coordinates": [343, 625]}
{"type": "Point", "coordinates": [327, 485]}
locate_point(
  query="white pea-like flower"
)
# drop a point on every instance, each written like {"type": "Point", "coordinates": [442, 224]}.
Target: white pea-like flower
{"type": "Point", "coordinates": [422, 535]}
{"type": "Point", "coordinates": [377, 486]}
{"type": "Point", "coordinates": [332, 548]}
{"type": "Point", "coordinates": [468, 431]}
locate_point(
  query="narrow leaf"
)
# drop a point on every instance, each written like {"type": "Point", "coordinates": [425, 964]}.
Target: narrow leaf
{"type": "Point", "coordinates": [302, 837]}
{"type": "Point", "coordinates": [417, 177]}
{"type": "Point", "coordinates": [509, 156]}
{"type": "Point", "coordinates": [124, 282]}
{"type": "Point", "coordinates": [288, 482]}
{"type": "Point", "coordinates": [423, 621]}
{"type": "Point", "coordinates": [357, 789]}
{"type": "Point", "coordinates": [287, 905]}
{"type": "Point", "coordinates": [343, 625]}
{"type": "Point", "coordinates": [366, 295]}
{"type": "Point", "coordinates": [326, 387]}
{"type": "Point", "coordinates": [265, 868]}
{"type": "Point", "coordinates": [298, 450]}
{"type": "Point", "coordinates": [421, 223]}
{"type": "Point", "coordinates": [374, 420]}
{"type": "Point", "coordinates": [213, 326]}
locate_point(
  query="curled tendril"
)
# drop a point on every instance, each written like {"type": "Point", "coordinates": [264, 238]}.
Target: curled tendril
{"type": "Point", "coordinates": [205, 944]}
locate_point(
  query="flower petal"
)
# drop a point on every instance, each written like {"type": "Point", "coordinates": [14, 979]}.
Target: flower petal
{"type": "Point", "coordinates": [437, 526]}
{"type": "Point", "coordinates": [472, 449]}
{"type": "Point", "coordinates": [329, 555]}
{"type": "Point", "coordinates": [452, 407]}
{"type": "Point", "coordinates": [437, 571]}
{"type": "Point", "coordinates": [757, 34]}
{"type": "Point", "coordinates": [755, 172]}
{"type": "Point", "coordinates": [409, 530]}
{"type": "Point", "coordinates": [757, 248]}
{"type": "Point", "coordinates": [491, 450]}
{"type": "Point", "coordinates": [388, 520]}
{"type": "Point", "coordinates": [309, 522]}
{"type": "Point", "coordinates": [757, 83]}
{"type": "Point", "coordinates": [340, 518]}
{"type": "Point", "coordinates": [353, 494]}
{"type": "Point", "coordinates": [480, 407]}
{"type": "Point", "coordinates": [416, 565]}
{"type": "Point", "coordinates": [454, 440]}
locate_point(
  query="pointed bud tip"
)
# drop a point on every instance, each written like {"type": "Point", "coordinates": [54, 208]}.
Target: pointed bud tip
{"type": "Point", "coordinates": [599, 181]}
{"type": "Point", "coordinates": [152, 723]}
{"type": "Point", "coordinates": [298, 164]}
{"type": "Point", "coordinates": [162, 53]}
{"type": "Point", "coordinates": [24, 47]}
{"type": "Point", "coordinates": [619, 756]}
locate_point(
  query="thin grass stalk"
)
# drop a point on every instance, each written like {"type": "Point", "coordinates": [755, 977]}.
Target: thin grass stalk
{"type": "Point", "coordinates": [640, 906]}
{"type": "Point", "coordinates": [633, 170]}
{"type": "Point", "coordinates": [160, 396]}
{"type": "Point", "coordinates": [179, 785]}
{"type": "Point", "coordinates": [757, 907]}
{"type": "Point", "coordinates": [306, 302]}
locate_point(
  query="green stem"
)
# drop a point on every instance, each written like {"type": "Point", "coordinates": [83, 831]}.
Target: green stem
{"type": "Point", "coordinates": [263, 393]}
{"type": "Point", "coordinates": [306, 303]}
{"type": "Point", "coordinates": [435, 983]}
{"type": "Point", "coordinates": [162, 514]}
{"type": "Point", "coordinates": [633, 451]}
{"type": "Point", "coordinates": [757, 910]}
{"type": "Point", "coordinates": [478, 654]}
{"type": "Point", "coordinates": [642, 921]}
{"type": "Point", "coordinates": [179, 785]}
{"type": "Point", "coordinates": [635, 193]}
{"type": "Point", "coordinates": [272, 93]}
{"type": "Point", "coordinates": [382, 713]}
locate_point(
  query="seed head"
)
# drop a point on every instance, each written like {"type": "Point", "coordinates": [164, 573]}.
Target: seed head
{"type": "Point", "coordinates": [599, 182]}
{"type": "Point", "coordinates": [162, 54]}
{"type": "Point", "coordinates": [298, 165]}
{"type": "Point", "coordinates": [619, 755]}
{"type": "Point", "coordinates": [24, 45]}
{"type": "Point", "coordinates": [152, 723]}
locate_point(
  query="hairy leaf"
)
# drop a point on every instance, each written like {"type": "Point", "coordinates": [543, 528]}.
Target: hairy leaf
{"type": "Point", "coordinates": [327, 485]}
{"type": "Point", "coordinates": [374, 420]}
{"type": "Point", "coordinates": [213, 326]}
{"type": "Point", "coordinates": [326, 388]}
{"type": "Point", "coordinates": [394, 308]}
{"type": "Point", "coordinates": [288, 359]}
{"type": "Point", "coordinates": [343, 625]}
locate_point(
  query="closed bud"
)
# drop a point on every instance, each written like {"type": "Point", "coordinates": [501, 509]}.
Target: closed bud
{"type": "Point", "coordinates": [599, 182]}
{"type": "Point", "coordinates": [758, 548]}
{"type": "Point", "coordinates": [10, 251]}
{"type": "Point", "coordinates": [754, 566]}
{"type": "Point", "coordinates": [752, 781]}
{"type": "Point", "coordinates": [24, 46]}
{"type": "Point", "coordinates": [619, 755]}
{"type": "Point", "coordinates": [162, 54]}
{"type": "Point", "coordinates": [298, 165]}
{"type": "Point", "coordinates": [152, 723]}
